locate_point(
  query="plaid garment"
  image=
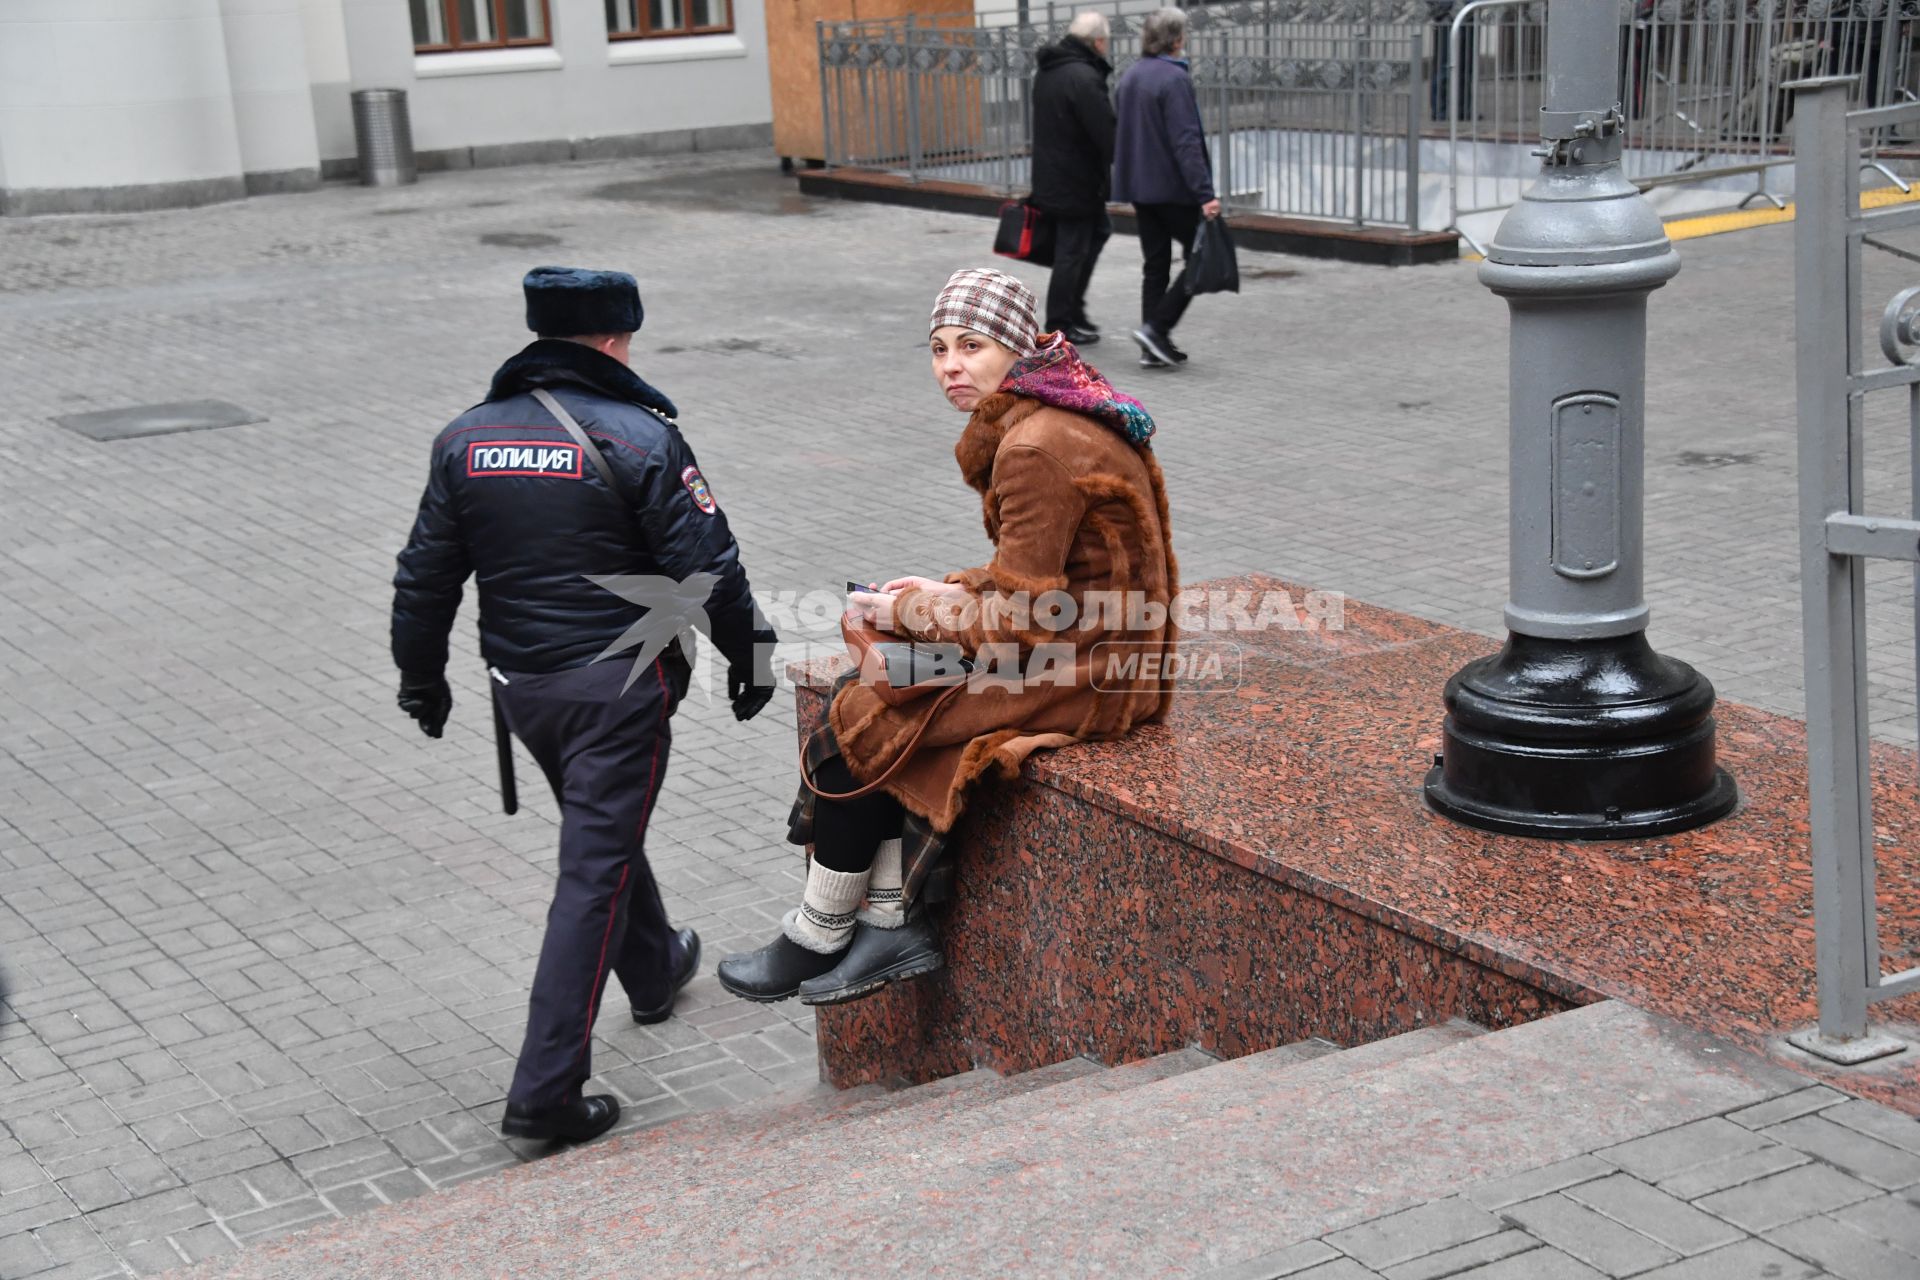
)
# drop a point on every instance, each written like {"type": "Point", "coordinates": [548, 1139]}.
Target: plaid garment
{"type": "Point", "coordinates": [926, 870]}
{"type": "Point", "coordinates": [992, 303]}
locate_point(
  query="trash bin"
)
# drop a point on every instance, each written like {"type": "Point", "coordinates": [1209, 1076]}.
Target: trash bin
{"type": "Point", "coordinates": [384, 136]}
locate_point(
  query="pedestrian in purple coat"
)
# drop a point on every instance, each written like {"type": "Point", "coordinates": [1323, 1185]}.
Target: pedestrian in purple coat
{"type": "Point", "coordinates": [1161, 167]}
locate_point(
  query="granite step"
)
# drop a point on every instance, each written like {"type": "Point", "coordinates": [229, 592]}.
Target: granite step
{"type": "Point", "coordinates": [728, 1135]}
{"type": "Point", "coordinates": [1131, 1075]}
{"type": "Point", "coordinates": [1216, 1167]}
{"type": "Point", "coordinates": [1178, 1174]}
{"type": "Point", "coordinates": [936, 1137]}
{"type": "Point", "coordinates": [934, 1115]}
{"type": "Point", "coordinates": [934, 1127]}
{"type": "Point", "coordinates": [700, 1170]}
{"type": "Point", "coordinates": [925, 1118]}
{"type": "Point", "coordinates": [939, 1124]}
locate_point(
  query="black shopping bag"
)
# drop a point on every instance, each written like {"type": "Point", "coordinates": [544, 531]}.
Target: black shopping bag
{"type": "Point", "coordinates": [1213, 267]}
{"type": "Point", "coordinates": [1025, 233]}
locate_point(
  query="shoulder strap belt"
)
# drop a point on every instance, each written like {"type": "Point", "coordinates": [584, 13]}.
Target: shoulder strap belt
{"type": "Point", "coordinates": [906, 754]}
{"type": "Point", "coordinates": [572, 428]}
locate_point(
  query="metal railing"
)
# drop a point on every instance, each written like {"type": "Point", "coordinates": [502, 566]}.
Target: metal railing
{"type": "Point", "coordinates": [1337, 108]}
{"type": "Point", "coordinates": [1702, 87]}
{"type": "Point", "coordinates": [1838, 537]}
{"type": "Point", "coordinates": [1312, 107]}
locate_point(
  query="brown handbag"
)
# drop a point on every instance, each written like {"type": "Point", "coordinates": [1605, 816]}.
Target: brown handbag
{"type": "Point", "coordinates": [861, 641]}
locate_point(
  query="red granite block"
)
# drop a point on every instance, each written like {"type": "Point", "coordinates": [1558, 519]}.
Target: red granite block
{"type": "Point", "coordinates": [1261, 868]}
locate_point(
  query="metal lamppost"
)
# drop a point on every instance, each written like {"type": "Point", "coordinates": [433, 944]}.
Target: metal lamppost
{"type": "Point", "coordinates": [1577, 729]}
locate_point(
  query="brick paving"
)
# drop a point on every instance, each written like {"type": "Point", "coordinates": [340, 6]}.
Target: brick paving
{"type": "Point", "coordinates": [1832, 1191]}
{"type": "Point", "coordinates": [266, 948]}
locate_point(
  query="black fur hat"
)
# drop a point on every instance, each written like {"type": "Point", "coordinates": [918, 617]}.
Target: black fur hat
{"type": "Point", "coordinates": [566, 302]}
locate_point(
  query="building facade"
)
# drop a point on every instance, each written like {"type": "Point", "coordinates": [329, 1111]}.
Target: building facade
{"type": "Point", "coordinates": [107, 106]}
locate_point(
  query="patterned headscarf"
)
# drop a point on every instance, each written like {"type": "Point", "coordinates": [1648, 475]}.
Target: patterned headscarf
{"type": "Point", "coordinates": [992, 303]}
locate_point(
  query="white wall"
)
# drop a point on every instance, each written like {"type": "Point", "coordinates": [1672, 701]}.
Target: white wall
{"type": "Point", "coordinates": [328, 73]}
{"type": "Point", "coordinates": [379, 43]}
{"type": "Point", "coordinates": [272, 101]}
{"type": "Point", "coordinates": [129, 103]}
{"type": "Point", "coordinates": [583, 86]}
{"type": "Point", "coordinates": [101, 93]}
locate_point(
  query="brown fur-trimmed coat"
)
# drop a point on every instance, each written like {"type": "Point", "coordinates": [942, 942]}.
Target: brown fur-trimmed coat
{"type": "Point", "coordinates": [1070, 505]}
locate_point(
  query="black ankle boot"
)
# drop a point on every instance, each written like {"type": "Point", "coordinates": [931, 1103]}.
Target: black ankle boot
{"type": "Point", "coordinates": [581, 1120]}
{"type": "Point", "coordinates": [689, 943]}
{"type": "Point", "coordinates": [775, 971]}
{"type": "Point", "coordinates": [877, 957]}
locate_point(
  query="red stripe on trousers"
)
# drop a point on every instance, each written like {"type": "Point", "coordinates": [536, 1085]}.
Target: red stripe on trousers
{"type": "Point", "coordinates": [613, 908]}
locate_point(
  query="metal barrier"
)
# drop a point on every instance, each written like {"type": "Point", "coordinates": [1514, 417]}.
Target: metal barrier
{"type": "Point", "coordinates": [1312, 107]}
{"type": "Point", "coordinates": [1702, 86]}
{"type": "Point", "coordinates": [1335, 108]}
{"type": "Point", "coordinates": [1838, 537]}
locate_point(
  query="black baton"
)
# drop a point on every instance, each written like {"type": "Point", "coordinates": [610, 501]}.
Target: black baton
{"type": "Point", "coordinates": [503, 743]}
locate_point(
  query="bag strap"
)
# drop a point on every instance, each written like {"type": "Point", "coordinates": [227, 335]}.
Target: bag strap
{"type": "Point", "coordinates": [580, 437]}
{"type": "Point", "coordinates": [599, 461]}
{"type": "Point", "coordinates": [906, 754]}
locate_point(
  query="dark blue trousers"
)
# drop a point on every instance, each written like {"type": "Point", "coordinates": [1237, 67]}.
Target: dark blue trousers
{"type": "Point", "coordinates": [605, 754]}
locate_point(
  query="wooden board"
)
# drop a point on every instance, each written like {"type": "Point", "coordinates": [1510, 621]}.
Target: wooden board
{"type": "Point", "coordinates": [793, 60]}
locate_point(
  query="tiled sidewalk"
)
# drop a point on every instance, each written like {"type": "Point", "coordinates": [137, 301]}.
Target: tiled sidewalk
{"type": "Point", "coordinates": [1807, 1185]}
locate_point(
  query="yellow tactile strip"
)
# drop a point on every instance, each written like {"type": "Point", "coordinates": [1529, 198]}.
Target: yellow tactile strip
{"type": "Point", "coordinates": [1714, 224]}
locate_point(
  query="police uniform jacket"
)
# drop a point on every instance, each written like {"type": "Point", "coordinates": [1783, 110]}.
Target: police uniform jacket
{"type": "Point", "coordinates": [512, 500]}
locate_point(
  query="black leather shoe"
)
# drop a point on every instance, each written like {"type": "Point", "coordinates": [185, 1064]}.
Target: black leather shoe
{"type": "Point", "coordinates": [775, 971]}
{"type": "Point", "coordinates": [877, 957]}
{"type": "Point", "coordinates": [581, 1120]}
{"type": "Point", "coordinates": [1081, 335]}
{"type": "Point", "coordinates": [689, 965]}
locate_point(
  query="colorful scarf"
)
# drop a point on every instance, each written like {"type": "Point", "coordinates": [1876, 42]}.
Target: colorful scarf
{"type": "Point", "coordinates": [1057, 376]}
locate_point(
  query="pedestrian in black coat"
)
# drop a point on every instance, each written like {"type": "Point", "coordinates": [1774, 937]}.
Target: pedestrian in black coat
{"type": "Point", "coordinates": [1072, 164]}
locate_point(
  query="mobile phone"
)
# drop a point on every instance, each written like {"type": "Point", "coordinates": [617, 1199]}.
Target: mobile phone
{"type": "Point", "coordinates": [865, 587]}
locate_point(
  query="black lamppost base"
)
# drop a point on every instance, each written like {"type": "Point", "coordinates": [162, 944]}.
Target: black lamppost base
{"type": "Point", "coordinates": [1580, 740]}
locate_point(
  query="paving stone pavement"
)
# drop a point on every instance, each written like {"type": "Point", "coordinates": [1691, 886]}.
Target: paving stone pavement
{"type": "Point", "coordinates": [266, 948]}
{"type": "Point", "coordinates": [1807, 1185]}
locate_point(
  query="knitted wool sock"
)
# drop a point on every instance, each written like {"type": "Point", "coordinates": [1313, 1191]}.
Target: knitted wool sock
{"type": "Point", "coordinates": [886, 906]}
{"type": "Point", "coordinates": [824, 922]}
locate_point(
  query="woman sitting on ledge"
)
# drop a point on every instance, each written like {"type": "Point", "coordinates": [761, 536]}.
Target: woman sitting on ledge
{"type": "Point", "coordinates": [1076, 508]}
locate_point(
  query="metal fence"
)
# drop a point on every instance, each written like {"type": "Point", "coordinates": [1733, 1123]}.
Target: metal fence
{"type": "Point", "coordinates": [1340, 108]}
{"type": "Point", "coordinates": [1838, 536]}
{"type": "Point", "coordinates": [1312, 107]}
{"type": "Point", "coordinates": [1702, 87]}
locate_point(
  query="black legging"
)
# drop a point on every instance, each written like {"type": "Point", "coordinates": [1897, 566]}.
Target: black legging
{"type": "Point", "coordinates": [847, 833]}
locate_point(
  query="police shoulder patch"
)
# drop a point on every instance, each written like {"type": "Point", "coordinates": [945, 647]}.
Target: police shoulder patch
{"type": "Point", "coordinates": [701, 491]}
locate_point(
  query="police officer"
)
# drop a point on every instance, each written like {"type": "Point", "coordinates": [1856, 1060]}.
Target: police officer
{"type": "Point", "coordinates": [518, 500]}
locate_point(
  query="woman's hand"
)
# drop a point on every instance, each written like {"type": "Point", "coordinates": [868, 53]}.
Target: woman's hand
{"type": "Point", "coordinates": [876, 607]}
{"type": "Point", "coordinates": [927, 585]}
{"type": "Point", "coordinates": [872, 607]}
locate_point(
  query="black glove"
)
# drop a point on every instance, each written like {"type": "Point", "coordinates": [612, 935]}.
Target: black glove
{"type": "Point", "coordinates": [428, 700]}
{"type": "Point", "coordinates": [750, 688]}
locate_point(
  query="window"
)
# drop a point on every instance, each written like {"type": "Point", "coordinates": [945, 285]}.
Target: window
{"type": "Point", "coordinates": [639, 19]}
{"type": "Point", "coordinates": [440, 25]}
